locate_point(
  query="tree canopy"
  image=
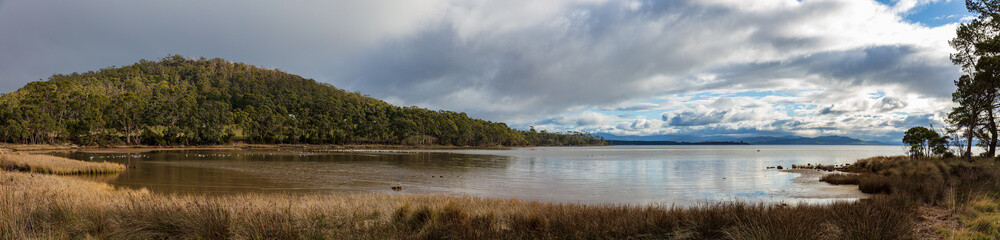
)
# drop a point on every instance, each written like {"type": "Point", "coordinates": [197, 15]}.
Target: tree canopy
{"type": "Point", "coordinates": [977, 45]}
{"type": "Point", "coordinates": [179, 101]}
{"type": "Point", "coordinates": [926, 142]}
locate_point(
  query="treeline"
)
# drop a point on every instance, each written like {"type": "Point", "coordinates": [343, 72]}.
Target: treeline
{"type": "Point", "coordinates": [179, 101]}
{"type": "Point", "coordinates": [978, 53]}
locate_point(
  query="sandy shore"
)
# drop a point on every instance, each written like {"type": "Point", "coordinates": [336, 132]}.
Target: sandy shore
{"type": "Point", "coordinates": [809, 178]}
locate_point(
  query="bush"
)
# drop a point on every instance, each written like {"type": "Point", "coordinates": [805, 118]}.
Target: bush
{"type": "Point", "coordinates": [841, 179]}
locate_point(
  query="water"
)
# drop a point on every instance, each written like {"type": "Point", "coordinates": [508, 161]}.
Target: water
{"type": "Point", "coordinates": [636, 175]}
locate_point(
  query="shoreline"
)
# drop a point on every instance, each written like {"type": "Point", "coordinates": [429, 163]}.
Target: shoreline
{"type": "Point", "coordinates": [805, 188]}
{"type": "Point", "coordinates": [37, 148]}
{"type": "Point", "coordinates": [810, 178]}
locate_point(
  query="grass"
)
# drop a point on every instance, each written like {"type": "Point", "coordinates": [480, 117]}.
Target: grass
{"type": "Point", "coordinates": [55, 165]}
{"type": "Point", "coordinates": [969, 189]}
{"type": "Point", "coordinates": [841, 179]}
{"type": "Point", "coordinates": [980, 220]}
{"type": "Point", "coordinates": [41, 206]}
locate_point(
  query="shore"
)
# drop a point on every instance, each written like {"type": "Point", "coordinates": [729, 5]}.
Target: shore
{"type": "Point", "coordinates": [41, 148]}
{"type": "Point", "coordinates": [47, 206]}
{"type": "Point", "coordinates": [810, 178]}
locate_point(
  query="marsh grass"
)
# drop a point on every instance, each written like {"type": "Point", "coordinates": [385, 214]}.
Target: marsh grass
{"type": "Point", "coordinates": [43, 206]}
{"type": "Point", "coordinates": [52, 207]}
{"type": "Point", "coordinates": [55, 165]}
{"type": "Point", "coordinates": [841, 179]}
{"type": "Point", "coordinates": [970, 189]}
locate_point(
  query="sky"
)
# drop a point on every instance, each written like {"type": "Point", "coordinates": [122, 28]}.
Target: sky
{"type": "Point", "coordinates": [718, 68]}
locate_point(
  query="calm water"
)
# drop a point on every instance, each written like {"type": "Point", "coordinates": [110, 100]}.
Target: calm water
{"type": "Point", "coordinates": [670, 175]}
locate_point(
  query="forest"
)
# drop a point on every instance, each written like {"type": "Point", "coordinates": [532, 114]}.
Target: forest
{"type": "Point", "coordinates": [180, 101]}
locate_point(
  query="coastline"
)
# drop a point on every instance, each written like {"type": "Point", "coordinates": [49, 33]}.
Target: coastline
{"type": "Point", "coordinates": [40, 148]}
{"type": "Point", "coordinates": [810, 178]}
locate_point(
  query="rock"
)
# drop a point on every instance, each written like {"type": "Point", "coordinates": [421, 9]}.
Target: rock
{"type": "Point", "coordinates": [779, 168]}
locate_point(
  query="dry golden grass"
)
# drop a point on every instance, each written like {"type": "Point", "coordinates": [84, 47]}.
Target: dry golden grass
{"type": "Point", "coordinates": [39, 206]}
{"type": "Point", "coordinates": [54, 165]}
{"type": "Point", "coordinates": [968, 188]}
{"type": "Point", "coordinates": [52, 207]}
{"type": "Point", "coordinates": [841, 178]}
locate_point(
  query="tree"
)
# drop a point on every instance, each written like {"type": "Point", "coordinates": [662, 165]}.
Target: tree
{"type": "Point", "coordinates": [978, 53]}
{"type": "Point", "coordinates": [127, 112]}
{"type": "Point", "coordinates": [925, 142]}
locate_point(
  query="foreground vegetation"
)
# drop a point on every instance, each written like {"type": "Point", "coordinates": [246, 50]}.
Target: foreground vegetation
{"type": "Point", "coordinates": [177, 101]}
{"type": "Point", "coordinates": [52, 207]}
{"type": "Point", "coordinates": [968, 189]}
{"type": "Point", "coordinates": [907, 192]}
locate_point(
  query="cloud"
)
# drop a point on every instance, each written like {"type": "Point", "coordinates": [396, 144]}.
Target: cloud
{"type": "Point", "coordinates": [829, 111]}
{"type": "Point", "coordinates": [691, 118]}
{"type": "Point", "coordinates": [560, 64]}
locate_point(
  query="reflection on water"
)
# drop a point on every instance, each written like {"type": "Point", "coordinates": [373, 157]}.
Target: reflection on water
{"type": "Point", "coordinates": [672, 175]}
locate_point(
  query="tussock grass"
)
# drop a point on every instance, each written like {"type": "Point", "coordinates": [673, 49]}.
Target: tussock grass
{"type": "Point", "coordinates": [841, 179]}
{"type": "Point", "coordinates": [55, 165]}
{"type": "Point", "coordinates": [969, 188]}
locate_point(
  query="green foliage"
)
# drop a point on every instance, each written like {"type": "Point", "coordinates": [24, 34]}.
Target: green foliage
{"type": "Point", "coordinates": [977, 45]}
{"type": "Point", "coordinates": [177, 101]}
{"type": "Point", "coordinates": [925, 142]}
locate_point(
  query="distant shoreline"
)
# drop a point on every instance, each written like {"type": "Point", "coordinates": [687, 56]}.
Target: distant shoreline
{"type": "Point", "coordinates": [628, 143]}
{"type": "Point", "coordinates": [676, 143]}
{"type": "Point", "coordinates": [142, 148]}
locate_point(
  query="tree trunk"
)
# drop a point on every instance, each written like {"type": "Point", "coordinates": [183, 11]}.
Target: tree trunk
{"type": "Point", "coordinates": [992, 125]}
{"type": "Point", "coordinates": [968, 143]}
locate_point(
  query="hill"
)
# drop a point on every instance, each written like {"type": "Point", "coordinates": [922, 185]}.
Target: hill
{"type": "Point", "coordinates": [795, 140]}
{"type": "Point", "coordinates": [178, 101]}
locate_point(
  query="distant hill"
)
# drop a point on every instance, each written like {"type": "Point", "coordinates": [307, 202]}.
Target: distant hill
{"type": "Point", "coordinates": [179, 101]}
{"type": "Point", "coordinates": [623, 142]}
{"type": "Point", "coordinates": [764, 140]}
{"type": "Point", "coordinates": [794, 140]}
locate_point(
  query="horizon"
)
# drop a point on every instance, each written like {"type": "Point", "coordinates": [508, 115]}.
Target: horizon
{"type": "Point", "coordinates": [868, 70]}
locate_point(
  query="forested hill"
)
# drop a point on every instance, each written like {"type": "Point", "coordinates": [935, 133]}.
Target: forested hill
{"type": "Point", "coordinates": [177, 101]}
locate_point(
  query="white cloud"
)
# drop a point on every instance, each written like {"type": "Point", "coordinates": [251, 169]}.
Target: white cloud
{"type": "Point", "coordinates": [555, 64]}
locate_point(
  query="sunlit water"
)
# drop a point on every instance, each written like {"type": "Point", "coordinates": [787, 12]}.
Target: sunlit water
{"type": "Point", "coordinates": [667, 175]}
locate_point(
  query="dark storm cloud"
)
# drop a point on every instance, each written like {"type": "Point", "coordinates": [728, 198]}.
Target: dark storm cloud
{"type": "Point", "coordinates": [41, 38]}
{"type": "Point", "coordinates": [900, 65]}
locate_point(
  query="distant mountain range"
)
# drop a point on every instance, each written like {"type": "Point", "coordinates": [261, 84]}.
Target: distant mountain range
{"type": "Point", "coordinates": [626, 142]}
{"type": "Point", "coordinates": [763, 140]}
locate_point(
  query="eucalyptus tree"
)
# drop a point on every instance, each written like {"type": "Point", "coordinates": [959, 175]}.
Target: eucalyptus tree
{"type": "Point", "coordinates": [925, 142]}
{"type": "Point", "coordinates": [978, 54]}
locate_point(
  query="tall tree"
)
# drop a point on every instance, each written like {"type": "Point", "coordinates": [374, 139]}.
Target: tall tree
{"type": "Point", "coordinates": [977, 50]}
